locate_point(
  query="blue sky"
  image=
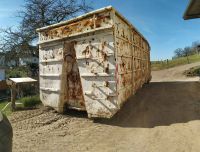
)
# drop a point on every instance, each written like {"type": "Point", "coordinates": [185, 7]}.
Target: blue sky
{"type": "Point", "coordinates": [160, 21]}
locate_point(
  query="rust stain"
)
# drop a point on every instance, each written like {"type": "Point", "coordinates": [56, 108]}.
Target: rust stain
{"type": "Point", "coordinates": [76, 27]}
{"type": "Point", "coordinates": [74, 88]}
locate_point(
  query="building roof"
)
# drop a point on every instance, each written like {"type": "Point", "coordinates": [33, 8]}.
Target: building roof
{"type": "Point", "coordinates": [193, 10]}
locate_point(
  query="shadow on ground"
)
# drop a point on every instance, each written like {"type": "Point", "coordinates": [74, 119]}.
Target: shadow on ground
{"type": "Point", "coordinates": [159, 104]}
{"type": "Point", "coordinates": [75, 113]}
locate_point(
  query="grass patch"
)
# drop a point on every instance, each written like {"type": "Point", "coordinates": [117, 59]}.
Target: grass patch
{"type": "Point", "coordinates": [27, 102]}
{"type": "Point", "coordinates": [194, 71]}
{"type": "Point", "coordinates": [159, 65]}
{"type": "Point", "coordinates": [7, 110]}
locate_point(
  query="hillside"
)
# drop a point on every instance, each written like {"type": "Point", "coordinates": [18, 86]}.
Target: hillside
{"type": "Point", "coordinates": [159, 65]}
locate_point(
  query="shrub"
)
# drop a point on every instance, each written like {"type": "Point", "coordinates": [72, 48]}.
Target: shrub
{"type": "Point", "coordinates": [30, 102]}
{"type": "Point", "coordinates": [194, 71]}
{"type": "Point", "coordinates": [17, 72]}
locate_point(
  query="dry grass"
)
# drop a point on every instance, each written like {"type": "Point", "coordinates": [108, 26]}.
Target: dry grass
{"type": "Point", "coordinates": [159, 65]}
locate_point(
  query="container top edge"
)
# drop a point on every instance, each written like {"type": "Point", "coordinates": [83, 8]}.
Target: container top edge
{"type": "Point", "coordinates": [88, 14]}
{"type": "Point", "coordinates": [74, 19]}
{"type": "Point", "coordinates": [130, 24]}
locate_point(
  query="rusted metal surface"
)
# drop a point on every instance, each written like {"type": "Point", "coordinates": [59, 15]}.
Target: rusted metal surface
{"type": "Point", "coordinates": [73, 94]}
{"type": "Point", "coordinates": [95, 57]}
{"type": "Point", "coordinates": [95, 21]}
{"type": "Point", "coordinates": [93, 63]}
{"type": "Point", "coordinates": [133, 62]}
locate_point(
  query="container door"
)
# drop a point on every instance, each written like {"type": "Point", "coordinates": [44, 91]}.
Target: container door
{"type": "Point", "coordinates": [51, 71]}
{"type": "Point", "coordinates": [96, 62]}
{"type": "Point", "coordinates": [73, 89]}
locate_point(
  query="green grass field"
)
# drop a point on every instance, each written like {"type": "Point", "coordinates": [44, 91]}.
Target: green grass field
{"type": "Point", "coordinates": [159, 65]}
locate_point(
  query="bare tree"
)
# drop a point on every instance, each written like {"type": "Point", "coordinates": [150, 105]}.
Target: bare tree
{"type": "Point", "coordinates": [20, 42]}
{"type": "Point", "coordinates": [15, 45]}
{"type": "Point", "coordinates": [195, 43]}
{"type": "Point", "coordinates": [39, 13]}
{"type": "Point", "coordinates": [178, 52]}
{"type": "Point", "coordinates": [196, 47]}
{"type": "Point", "coordinates": [186, 53]}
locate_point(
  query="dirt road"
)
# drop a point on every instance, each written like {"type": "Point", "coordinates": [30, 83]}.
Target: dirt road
{"type": "Point", "coordinates": [174, 74]}
{"type": "Point", "coordinates": [161, 117]}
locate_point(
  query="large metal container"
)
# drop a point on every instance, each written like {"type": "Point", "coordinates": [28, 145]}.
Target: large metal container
{"type": "Point", "coordinates": [94, 62]}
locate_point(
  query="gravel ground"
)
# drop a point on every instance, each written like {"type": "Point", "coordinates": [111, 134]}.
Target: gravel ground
{"type": "Point", "coordinates": [163, 116]}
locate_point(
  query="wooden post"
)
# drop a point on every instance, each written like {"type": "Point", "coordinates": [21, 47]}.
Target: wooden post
{"type": "Point", "coordinates": [13, 97]}
{"type": "Point", "coordinates": [188, 59]}
{"type": "Point", "coordinates": [167, 63]}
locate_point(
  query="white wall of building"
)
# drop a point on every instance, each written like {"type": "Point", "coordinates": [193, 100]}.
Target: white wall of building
{"type": "Point", "coordinates": [24, 61]}
{"type": "Point", "coordinates": [2, 60]}
{"type": "Point", "coordinates": [2, 74]}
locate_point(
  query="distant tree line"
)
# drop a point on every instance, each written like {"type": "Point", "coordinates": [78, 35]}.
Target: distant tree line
{"type": "Point", "coordinates": [188, 50]}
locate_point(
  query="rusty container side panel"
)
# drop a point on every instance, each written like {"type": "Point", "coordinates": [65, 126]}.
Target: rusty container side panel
{"type": "Point", "coordinates": [141, 61]}
{"type": "Point", "coordinates": [73, 94]}
{"type": "Point", "coordinates": [124, 53]}
{"type": "Point", "coordinates": [96, 62]}
{"type": "Point", "coordinates": [51, 74]}
{"type": "Point", "coordinates": [86, 54]}
{"type": "Point", "coordinates": [133, 64]}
